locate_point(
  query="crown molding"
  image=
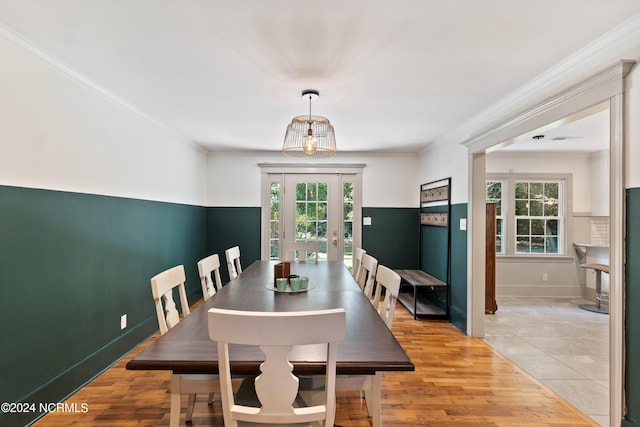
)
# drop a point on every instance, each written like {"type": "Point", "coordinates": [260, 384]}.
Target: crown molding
{"type": "Point", "coordinates": [344, 168]}
{"type": "Point", "coordinates": [39, 53]}
{"type": "Point", "coordinates": [616, 45]}
{"type": "Point", "coordinates": [585, 95]}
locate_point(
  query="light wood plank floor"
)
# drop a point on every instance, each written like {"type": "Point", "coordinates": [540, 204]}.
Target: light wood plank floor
{"type": "Point", "coordinates": [458, 381]}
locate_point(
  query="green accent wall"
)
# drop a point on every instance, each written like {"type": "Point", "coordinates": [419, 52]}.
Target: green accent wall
{"type": "Point", "coordinates": [393, 237]}
{"type": "Point", "coordinates": [234, 226]}
{"type": "Point", "coordinates": [433, 260]}
{"type": "Point", "coordinates": [458, 296]}
{"type": "Point", "coordinates": [433, 251]}
{"type": "Point", "coordinates": [70, 265]}
{"type": "Point", "coordinates": [632, 296]}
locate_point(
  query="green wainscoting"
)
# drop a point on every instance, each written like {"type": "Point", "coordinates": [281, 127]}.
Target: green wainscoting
{"type": "Point", "coordinates": [234, 226]}
{"type": "Point", "coordinates": [70, 265]}
{"type": "Point", "coordinates": [632, 295]}
{"type": "Point", "coordinates": [434, 252]}
{"type": "Point", "coordinates": [458, 296]}
{"type": "Point", "coordinates": [393, 237]}
{"type": "Point", "coordinates": [433, 260]}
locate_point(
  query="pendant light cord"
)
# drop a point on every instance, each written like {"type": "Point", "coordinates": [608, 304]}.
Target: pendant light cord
{"type": "Point", "coordinates": [310, 121]}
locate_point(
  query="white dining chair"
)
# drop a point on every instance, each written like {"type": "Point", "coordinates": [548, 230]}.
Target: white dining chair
{"type": "Point", "coordinates": [162, 286]}
{"type": "Point", "coordinates": [388, 281]}
{"type": "Point", "coordinates": [206, 268]}
{"type": "Point", "coordinates": [233, 262]}
{"type": "Point", "coordinates": [275, 391]}
{"type": "Point", "coordinates": [367, 276]}
{"type": "Point", "coordinates": [357, 261]}
{"type": "Point", "coordinates": [300, 250]}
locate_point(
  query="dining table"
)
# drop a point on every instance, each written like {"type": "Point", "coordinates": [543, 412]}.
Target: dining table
{"type": "Point", "coordinates": [369, 347]}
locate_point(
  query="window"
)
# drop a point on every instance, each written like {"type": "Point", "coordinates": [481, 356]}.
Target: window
{"type": "Point", "coordinates": [494, 195]}
{"type": "Point", "coordinates": [530, 213]}
{"type": "Point", "coordinates": [537, 220]}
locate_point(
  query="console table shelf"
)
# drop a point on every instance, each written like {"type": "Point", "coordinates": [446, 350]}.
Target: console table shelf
{"type": "Point", "coordinates": [418, 304]}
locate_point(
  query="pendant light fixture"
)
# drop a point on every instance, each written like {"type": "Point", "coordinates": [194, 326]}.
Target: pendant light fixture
{"type": "Point", "coordinates": [309, 136]}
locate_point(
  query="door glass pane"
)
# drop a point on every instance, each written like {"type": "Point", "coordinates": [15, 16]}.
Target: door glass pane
{"type": "Point", "coordinates": [347, 210]}
{"type": "Point", "coordinates": [322, 211]}
{"type": "Point", "coordinates": [274, 221]}
{"type": "Point", "coordinates": [311, 214]}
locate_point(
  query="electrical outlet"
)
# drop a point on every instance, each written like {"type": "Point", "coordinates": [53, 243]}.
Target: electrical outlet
{"type": "Point", "coordinates": [123, 321]}
{"type": "Point", "coordinates": [545, 277]}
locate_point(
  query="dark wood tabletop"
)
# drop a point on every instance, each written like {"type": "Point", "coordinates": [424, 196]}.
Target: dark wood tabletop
{"type": "Point", "coordinates": [369, 346]}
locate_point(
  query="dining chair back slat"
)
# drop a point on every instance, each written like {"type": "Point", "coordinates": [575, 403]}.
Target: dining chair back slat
{"type": "Point", "coordinates": [299, 250]}
{"type": "Point", "coordinates": [162, 286]}
{"type": "Point", "coordinates": [388, 281]}
{"type": "Point", "coordinates": [233, 262]}
{"type": "Point", "coordinates": [357, 261]}
{"type": "Point", "coordinates": [367, 277]}
{"type": "Point", "coordinates": [276, 388]}
{"type": "Point", "coordinates": [206, 267]}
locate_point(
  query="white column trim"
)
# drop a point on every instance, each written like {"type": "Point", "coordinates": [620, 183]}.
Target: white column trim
{"type": "Point", "coordinates": [617, 209]}
{"type": "Point", "coordinates": [608, 87]}
{"type": "Point", "coordinates": [584, 95]}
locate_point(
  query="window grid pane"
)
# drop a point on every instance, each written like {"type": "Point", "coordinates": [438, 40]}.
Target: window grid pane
{"type": "Point", "coordinates": [537, 221]}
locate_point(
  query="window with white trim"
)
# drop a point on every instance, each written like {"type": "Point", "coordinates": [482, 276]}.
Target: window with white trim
{"type": "Point", "coordinates": [494, 195]}
{"type": "Point", "coordinates": [531, 213]}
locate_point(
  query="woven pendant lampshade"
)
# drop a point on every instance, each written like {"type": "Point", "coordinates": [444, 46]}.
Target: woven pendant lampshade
{"type": "Point", "coordinates": [309, 136]}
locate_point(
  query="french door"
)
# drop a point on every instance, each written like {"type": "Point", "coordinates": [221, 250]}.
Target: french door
{"type": "Point", "coordinates": [312, 207]}
{"type": "Point", "coordinates": [311, 213]}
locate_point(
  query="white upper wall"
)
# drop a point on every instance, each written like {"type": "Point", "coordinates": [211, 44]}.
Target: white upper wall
{"type": "Point", "coordinates": [58, 133]}
{"type": "Point", "coordinates": [599, 182]}
{"type": "Point", "coordinates": [632, 149]}
{"type": "Point", "coordinates": [388, 180]}
{"type": "Point", "coordinates": [443, 161]}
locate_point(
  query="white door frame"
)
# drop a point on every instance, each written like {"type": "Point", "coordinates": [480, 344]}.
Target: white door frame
{"type": "Point", "coordinates": [351, 172]}
{"type": "Point", "coordinates": [607, 86]}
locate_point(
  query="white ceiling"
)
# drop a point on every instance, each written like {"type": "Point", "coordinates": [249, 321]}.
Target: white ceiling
{"type": "Point", "coordinates": [583, 135]}
{"type": "Point", "coordinates": [391, 75]}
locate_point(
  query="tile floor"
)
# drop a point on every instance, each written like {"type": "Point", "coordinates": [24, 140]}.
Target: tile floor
{"type": "Point", "coordinates": [562, 346]}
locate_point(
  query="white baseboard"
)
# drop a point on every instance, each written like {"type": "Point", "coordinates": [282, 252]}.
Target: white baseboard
{"type": "Point", "coordinates": [545, 291]}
